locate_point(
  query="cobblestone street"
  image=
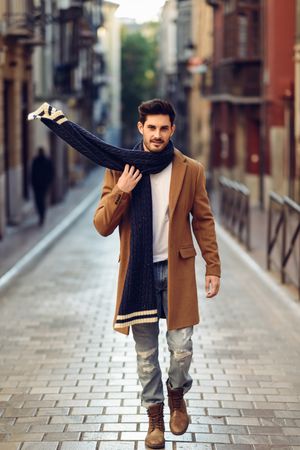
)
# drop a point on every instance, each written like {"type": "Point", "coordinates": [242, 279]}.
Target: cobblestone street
{"type": "Point", "coordinates": [69, 382]}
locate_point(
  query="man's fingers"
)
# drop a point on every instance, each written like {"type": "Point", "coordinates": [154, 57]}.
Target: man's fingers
{"type": "Point", "coordinates": [207, 283]}
{"type": "Point", "coordinates": [136, 173]}
{"type": "Point", "coordinates": [131, 171]}
{"type": "Point", "coordinates": [126, 168]}
{"type": "Point", "coordinates": [212, 285]}
{"type": "Point", "coordinates": [214, 289]}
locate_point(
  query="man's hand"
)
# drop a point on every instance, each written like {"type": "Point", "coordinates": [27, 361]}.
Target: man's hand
{"type": "Point", "coordinates": [212, 285]}
{"type": "Point", "coordinates": [129, 179]}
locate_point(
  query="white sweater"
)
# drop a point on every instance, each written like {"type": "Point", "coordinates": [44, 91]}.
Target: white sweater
{"type": "Point", "coordinates": [160, 188]}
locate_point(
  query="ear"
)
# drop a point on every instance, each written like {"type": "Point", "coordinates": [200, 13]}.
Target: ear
{"type": "Point", "coordinates": [140, 127]}
{"type": "Point", "coordinates": [173, 129]}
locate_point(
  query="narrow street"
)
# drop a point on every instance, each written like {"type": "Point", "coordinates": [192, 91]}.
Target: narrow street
{"type": "Point", "coordinates": [69, 382]}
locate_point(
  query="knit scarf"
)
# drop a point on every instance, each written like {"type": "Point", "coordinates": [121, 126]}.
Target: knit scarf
{"type": "Point", "coordinates": [138, 303]}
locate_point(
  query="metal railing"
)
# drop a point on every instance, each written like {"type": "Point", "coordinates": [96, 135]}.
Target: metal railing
{"type": "Point", "coordinates": [284, 233]}
{"type": "Point", "coordinates": [235, 209]}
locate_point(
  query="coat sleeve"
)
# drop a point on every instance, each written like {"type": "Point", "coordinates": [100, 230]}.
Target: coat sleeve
{"type": "Point", "coordinates": [203, 226]}
{"type": "Point", "coordinates": [112, 205]}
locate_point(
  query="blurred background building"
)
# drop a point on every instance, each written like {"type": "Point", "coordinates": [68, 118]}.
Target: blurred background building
{"type": "Point", "coordinates": [67, 53]}
{"type": "Point", "coordinates": [228, 66]}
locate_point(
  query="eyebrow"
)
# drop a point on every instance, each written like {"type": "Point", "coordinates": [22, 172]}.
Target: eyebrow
{"type": "Point", "coordinates": [154, 126]}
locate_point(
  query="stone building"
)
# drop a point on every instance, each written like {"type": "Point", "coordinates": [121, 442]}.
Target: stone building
{"type": "Point", "coordinates": [252, 77]}
{"type": "Point", "coordinates": [51, 51]}
{"type": "Point", "coordinates": [185, 46]}
{"type": "Point", "coordinates": [18, 36]}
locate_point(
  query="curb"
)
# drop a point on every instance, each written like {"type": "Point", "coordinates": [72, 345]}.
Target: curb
{"type": "Point", "coordinates": [264, 276]}
{"type": "Point", "coordinates": [46, 242]}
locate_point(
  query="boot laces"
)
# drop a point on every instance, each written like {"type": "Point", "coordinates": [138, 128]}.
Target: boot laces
{"type": "Point", "coordinates": [177, 401]}
{"type": "Point", "coordinates": [156, 419]}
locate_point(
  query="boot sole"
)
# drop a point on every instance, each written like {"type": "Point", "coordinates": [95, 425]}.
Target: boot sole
{"type": "Point", "coordinates": [182, 432]}
{"type": "Point", "coordinates": [178, 434]}
{"type": "Point", "coordinates": [155, 446]}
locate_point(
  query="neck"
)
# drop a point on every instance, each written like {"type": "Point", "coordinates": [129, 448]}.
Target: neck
{"type": "Point", "coordinates": [146, 149]}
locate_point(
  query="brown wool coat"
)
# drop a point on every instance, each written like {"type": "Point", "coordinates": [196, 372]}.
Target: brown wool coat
{"type": "Point", "coordinates": [187, 195]}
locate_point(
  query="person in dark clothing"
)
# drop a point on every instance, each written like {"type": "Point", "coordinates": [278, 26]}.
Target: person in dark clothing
{"type": "Point", "coordinates": [42, 174]}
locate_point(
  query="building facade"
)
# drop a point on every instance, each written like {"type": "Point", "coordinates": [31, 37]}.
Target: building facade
{"type": "Point", "coordinates": [18, 36]}
{"type": "Point", "coordinates": [185, 45]}
{"type": "Point", "coordinates": [297, 104]}
{"type": "Point", "coordinates": [167, 63]}
{"type": "Point", "coordinates": [52, 51]}
{"type": "Point", "coordinates": [112, 51]}
{"type": "Point", "coordinates": [252, 77]}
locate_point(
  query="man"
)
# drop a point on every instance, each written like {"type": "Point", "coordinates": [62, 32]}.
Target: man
{"type": "Point", "coordinates": [177, 191]}
{"type": "Point", "coordinates": [150, 192]}
{"type": "Point", "coordinates": [42, 174]}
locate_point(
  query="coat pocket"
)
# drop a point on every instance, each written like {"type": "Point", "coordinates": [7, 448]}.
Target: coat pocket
{"type": "Point", "coordinates": [187, 252]}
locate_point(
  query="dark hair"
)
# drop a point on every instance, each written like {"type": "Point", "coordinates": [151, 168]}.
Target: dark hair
{"type": "Point", "coordinates": [156, 106]}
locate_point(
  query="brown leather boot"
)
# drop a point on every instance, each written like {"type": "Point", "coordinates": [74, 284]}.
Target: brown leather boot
{"type": "Point", "coordinates": [179, 419]}
{"type": "Point", "coordinates": [155, 436]}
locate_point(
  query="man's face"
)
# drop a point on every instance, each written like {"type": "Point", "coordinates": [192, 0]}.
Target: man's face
{"type": "Point", "coordinates": [157, 131]}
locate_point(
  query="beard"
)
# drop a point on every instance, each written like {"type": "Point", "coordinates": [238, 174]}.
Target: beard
{"type": "Point", "coordinates": [155, 145]}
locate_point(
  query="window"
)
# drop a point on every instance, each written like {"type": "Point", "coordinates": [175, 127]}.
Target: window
{"type": "Point", "coordinates": [243, 35]}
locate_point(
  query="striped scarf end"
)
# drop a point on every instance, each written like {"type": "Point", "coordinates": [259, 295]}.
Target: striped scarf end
{"type": "Point", "coordinates": [46, 111]}
{"type": "Point", "coordinates": [135, 318]}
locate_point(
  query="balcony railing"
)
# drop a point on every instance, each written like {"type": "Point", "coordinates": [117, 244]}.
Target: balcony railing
{"type": "Point", "coordinates": [284, 238]}
{"type": "Point", "coordinates": [239, 81]}
{"type": "Point", "coordinates": [19, 25]}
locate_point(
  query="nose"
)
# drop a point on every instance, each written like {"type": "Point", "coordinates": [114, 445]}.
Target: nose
{"type": "Point", "coordinates": [157, 133]}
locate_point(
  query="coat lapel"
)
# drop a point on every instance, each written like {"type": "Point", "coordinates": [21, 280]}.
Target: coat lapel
{"type": "Point", "coordinates": [177, 177]}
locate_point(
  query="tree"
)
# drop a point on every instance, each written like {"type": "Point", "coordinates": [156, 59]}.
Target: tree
{"type": "Point", "coordinates": [139, 56]}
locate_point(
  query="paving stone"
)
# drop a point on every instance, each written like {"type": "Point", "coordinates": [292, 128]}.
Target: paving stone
{"type": "Point", "coordinates": [168, 445]}
{"type": "Point", "coordinates": [78, 445]}
{"type": "Point", "coordinates": [213, 438]}
{"type": "Point", "coordinates": [10, 445]}
{"type": "Point", "coordinates": [19, 437]}
{"type": "Point", "coordinates": [19, 412]}
{"type": "Point", "coordinates": [117, 445]}
{"type": "Point", "coordinates": [102, 419]}
{"type": "Point", "coordinates": [250, 439]}
{"type": "Point", "coordinates": [207, 420]}
{"type": "Point", "coordinates": [121, 426]}
{"type": "Point", "coordinates": [233, 447]}
{"type": "Point", "coordinates": [39, 446]}
{"type": "Point", "coordinates": [66, 419]}
{"type": "Point", "coordinates": [229, 429]}
{"type": "Point", "coordinates": [53, 411]}
{"type": "Point", "coordinates": [100, 436]}
{"type": "Point", "coordinates": [66, 436]}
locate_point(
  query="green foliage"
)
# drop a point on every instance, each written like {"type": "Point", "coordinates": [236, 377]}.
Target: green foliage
{"type": "Point", "coordinates": [139, 57]}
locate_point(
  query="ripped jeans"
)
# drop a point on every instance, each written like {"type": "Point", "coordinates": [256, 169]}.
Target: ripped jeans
{"type": "Point", "coordinates": [146, 344]}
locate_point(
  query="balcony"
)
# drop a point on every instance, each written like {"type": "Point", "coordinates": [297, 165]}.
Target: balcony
{"type": "Point", "coordinates": [17, 25]}
{"type": "Point", "coordinates": [233, 82]}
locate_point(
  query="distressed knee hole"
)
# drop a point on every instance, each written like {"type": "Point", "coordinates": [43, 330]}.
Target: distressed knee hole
{"type": "Point", "coordinates": [147, 354]}
{"type": "Point", "coordinates": [146, 366]}
{"type": "Point", "coordinates": [181, 354]}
